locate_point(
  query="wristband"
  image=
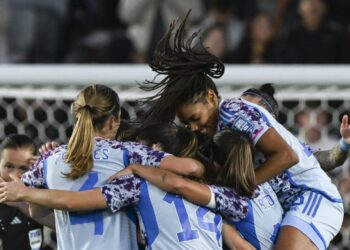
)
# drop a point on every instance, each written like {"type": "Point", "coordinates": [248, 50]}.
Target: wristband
{"type": "Point", "coordinates": [343, 145]}
{"type": "Point", "coordinates": [211, 204]}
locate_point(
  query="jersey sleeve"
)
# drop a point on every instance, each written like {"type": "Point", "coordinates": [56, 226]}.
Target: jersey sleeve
{"type": "Point", "coordinates": [229, 204]}
{"type": "Point", "coordinates": [144, 155]}
{"type": "Point", "coordinates": [238, 115]}
{"type": "Point", "coordinates": [122, 192]}
{"type": "Point", "coordinates": [35, 177]}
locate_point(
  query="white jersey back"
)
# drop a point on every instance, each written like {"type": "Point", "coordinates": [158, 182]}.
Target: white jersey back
{"type": "Point", "coordinates": [100, 229]}
{"type": "Point", "coordinates": [262, 223]}
{"type": "Point", "coordinates": [171, 222]}
{"type": "Point", "coordinates": [307, 174]}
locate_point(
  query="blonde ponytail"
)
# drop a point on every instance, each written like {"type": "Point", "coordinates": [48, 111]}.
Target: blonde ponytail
{"type": "Point", "coordinates": [93, 106]}
{"type": "Point", "coordinates": [80, 145]}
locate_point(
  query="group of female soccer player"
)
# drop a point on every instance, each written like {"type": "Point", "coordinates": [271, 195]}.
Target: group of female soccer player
{"type": "Point", "coordinates": [248, 182]}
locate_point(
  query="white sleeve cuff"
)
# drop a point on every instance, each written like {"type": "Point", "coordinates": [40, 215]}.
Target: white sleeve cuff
{"type": "Point", "coordinates": [212, 203]}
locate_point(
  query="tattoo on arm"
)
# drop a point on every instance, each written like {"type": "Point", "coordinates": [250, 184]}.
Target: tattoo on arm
{"type": "Point", "coordinates": [163, 177]}
{"type": "Point", "coordinates": [330, 159]}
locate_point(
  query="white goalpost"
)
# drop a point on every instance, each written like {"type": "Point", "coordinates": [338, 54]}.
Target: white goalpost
{"type": "Point", "coordinates": [69, 77]}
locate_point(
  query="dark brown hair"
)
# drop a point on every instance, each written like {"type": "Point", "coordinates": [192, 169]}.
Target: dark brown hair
{"type": "Point", "coordinates": [266, 93]}
{"type": "Point", "coordinates": [16, 141]}
{"type": "Point", "coordinates": [171, 138]}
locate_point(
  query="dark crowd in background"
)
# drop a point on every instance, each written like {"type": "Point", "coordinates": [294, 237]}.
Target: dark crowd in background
{"type": "Point", "coordinates": [126, 31]}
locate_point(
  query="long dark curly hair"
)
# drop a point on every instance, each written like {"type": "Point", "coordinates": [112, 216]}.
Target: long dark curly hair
{"type": "Point", "coordinates": [187, 70]}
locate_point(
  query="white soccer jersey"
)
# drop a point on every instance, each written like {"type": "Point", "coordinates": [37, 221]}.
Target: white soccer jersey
{"type": "Point", "coordinates": [167, 221]}
{"type": "Point", "coordinates": [99, 229]}
{"type": "Point", "coordinates": [264, 218]}
{"type": "Point", "coordinates": [170, 222]}
{"type": "Point", "coordinates": [254, 120]}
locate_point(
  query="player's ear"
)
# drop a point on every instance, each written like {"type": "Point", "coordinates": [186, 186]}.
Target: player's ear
{"type": "Point", "coordinates": [112, 123]}
{"type": "Point", "coordinates": [212, 97]}
{"type": "Point", "coordinates": [156, 146]}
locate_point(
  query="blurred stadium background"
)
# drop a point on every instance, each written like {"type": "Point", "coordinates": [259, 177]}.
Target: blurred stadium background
{"type": "Point", "coordinates": [49, 50]}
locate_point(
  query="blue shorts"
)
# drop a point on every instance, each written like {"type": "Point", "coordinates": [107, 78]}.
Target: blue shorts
{"type": "Point", "coordinates": [319, 218]}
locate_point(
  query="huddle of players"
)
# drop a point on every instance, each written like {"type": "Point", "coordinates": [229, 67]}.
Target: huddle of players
{"type": "Point", "coordinates": [176, 212]}
{"type": "Point", "coordinates": [257, 219]}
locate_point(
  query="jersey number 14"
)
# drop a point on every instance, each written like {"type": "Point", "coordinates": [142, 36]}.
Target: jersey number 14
{"type": "Point", "coordinates": [187, 232]}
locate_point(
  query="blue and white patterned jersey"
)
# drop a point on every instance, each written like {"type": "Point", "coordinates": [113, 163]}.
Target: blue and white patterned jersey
{"type": "Point", "coordinates": [261, 226]}
{"type": "Point", "coordinates": [100, 229]}
{"type": "Point", "coordinates": [170, 222]}
{"type": "Point", "coordinates": [236, 114]}
{"type": "Point", "coordinates": [254, 120]}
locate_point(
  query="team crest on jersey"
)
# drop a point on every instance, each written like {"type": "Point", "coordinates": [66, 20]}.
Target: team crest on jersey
{"type": "Point", "coordinates": [242, 124]}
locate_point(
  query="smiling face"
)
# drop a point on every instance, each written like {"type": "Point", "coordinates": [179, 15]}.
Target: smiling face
{"type": "Point", "coordinates": [15, 162]}
{"type": "Point", "coordinates": [201, 116]}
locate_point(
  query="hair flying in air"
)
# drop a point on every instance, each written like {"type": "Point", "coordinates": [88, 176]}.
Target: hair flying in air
{"type": "Point", "coordinates": [187, 70]}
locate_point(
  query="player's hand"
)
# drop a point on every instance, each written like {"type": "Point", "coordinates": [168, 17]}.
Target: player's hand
{"type": "Point", "coordinates": [345, 129]}
{"type": "Point", "coordinates": [48, 146]}
{"type": "Point", "coordinates": [11, 191]}
{"type": "Point", "coordinates": [126, 171]}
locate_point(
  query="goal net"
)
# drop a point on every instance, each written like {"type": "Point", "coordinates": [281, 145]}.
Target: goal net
{"type": "Point", "coordinates": [35, 100]}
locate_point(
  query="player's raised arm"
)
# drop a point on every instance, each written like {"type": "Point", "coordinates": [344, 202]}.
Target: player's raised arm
{"type": "Point", "coordinates": [335, 157]}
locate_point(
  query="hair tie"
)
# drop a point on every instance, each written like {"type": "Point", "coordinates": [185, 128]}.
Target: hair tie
{"type": "Point", "coordinates": [86, 107]}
